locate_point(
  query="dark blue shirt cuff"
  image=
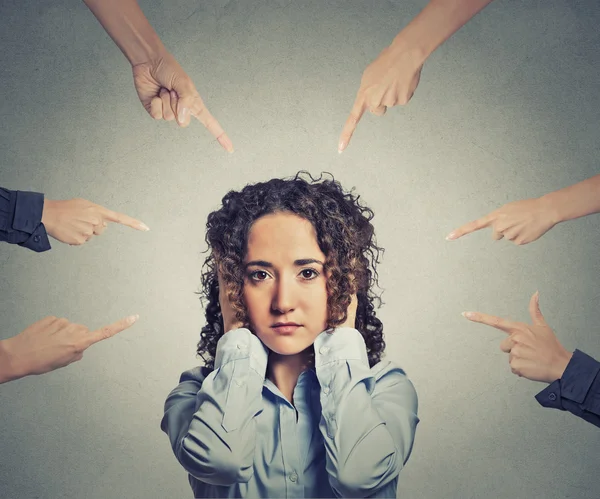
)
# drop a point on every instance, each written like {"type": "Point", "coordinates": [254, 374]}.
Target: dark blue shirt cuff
{"type": "Point", "coordinates": [550, 396]}
{"type": "Point", "coordinates": [579, 376]}
{"type": "Point", "coordinates": [21, 219]}
{"type": "Point", "coordinates": [28, 211]}
{"type": "Point", "coordinates": [38, 241]}
{"type": "Point", "coordinates": [578, 390]}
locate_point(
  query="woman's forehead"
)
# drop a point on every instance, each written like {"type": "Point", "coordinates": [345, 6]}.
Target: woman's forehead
{"type": "Point", "coordinates": [282, 235]}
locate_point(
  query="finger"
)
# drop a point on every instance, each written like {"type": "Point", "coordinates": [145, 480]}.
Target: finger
{"type": "Point", "coordinates": [120, 218]}
{"type": "Point", "coordinates": [496, 236]}
{"type": "Point", "coordinates": [58, 325]}
{"type": "Point", "coordinates": [516, 366]}
{"type": "Point", "coordinates": [203, 115]}
{"type": "Point", "coordinates": [186, 95]}
{"type": "Point", "coordinates": [534, 310]}
{"type": "Point", "coordinates": [374, 101]}
{"type": "Point", "coordinates": [507, 344]}
{"type": "Point", "coordinates": [156, 110]}
{"type": "Point", "coordinates": [46, 322]}
{"type": "Point", "coordinates": [84, 230]}
{"type": "Point", "coordinates": [109, 331]}
{"type": "Point", "coordinates": [378, 111]}
{"type": "Point", "coordinates": [165, 97]}
{"type": "Point", "coordinates": [356, 113]}
{"type": "Point", "coordinates": [100, 228]}
{"type": "Point", "coordinates": [492, 320]}
{"type": "Point", "coordinates": [511, 234]}
{"type": "Point", "coordinates": [467, 228]}
{"type": "Point", "coordinates": [174, 100]}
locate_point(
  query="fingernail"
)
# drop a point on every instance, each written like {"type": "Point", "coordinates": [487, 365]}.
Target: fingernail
{"type": "Point", "coordinates": [132, 318]}
{"type": "Point", "coordinates": [468, 315]}
{"type": "Point", "coordinates": [450, 236]}
{"type": "Point", "coordinates": [225, 143]}
{"type": "Point", "coordinates": [143, 226]}
{"type": "Point", "coordinates": [183, 112]}
{"type": "Point", "coordinates": [341, 147]}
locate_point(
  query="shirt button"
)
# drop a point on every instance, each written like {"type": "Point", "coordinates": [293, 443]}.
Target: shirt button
{"type": "Point", "coordinates": [552, 396]}
{"type": "Point", "coordinates": [293, 476]}
{"type": "Point", "coordinates": [324, 350]}
{"type": "Point", "coordinates": [325, 390]}
{"type": "Point", "coordinates": [36, 239]}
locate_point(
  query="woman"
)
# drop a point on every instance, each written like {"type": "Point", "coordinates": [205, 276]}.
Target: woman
{"type": "Point", "coordinates": [293, 400]}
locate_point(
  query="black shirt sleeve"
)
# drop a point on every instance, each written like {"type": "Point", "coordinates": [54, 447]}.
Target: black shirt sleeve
{"type": "Point", "coordinates": [578, 391]}
{"type": "Point", "coordinates": [21, 219]}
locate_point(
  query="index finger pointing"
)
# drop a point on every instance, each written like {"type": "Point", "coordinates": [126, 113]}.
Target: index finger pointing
{"type": "Point", "coordinates": [358, 109]}
{"type": "Point", "coordinates": [492, 320]}
{"type": "Point", "coordinates": [203, 115]}
{"type": "Point", "coordinates": [463, 230]}
{"type": "Point", "coordinates": [109, 331]}
{"type": "Point", "coordinates": [120, 218]}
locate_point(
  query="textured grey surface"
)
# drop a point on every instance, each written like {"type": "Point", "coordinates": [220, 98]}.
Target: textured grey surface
{"type": "Point", "coordinates": [509, 108]}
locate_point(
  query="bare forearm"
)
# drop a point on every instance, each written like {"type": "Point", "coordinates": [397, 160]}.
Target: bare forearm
{"type": "Point", "coordinates": [127, 25]}
{"type": "Point", "coordinates": [575, 201]}
{"type": "Point", "coordinates": [437, 22]}
{"type": "Point", "coordinates": [6, 365]}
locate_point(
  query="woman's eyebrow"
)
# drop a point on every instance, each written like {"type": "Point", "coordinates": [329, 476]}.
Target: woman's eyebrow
{"type": "Point", "coordinates": [258, 263]}
{"type": "Point", "coordinates": [307, 261]}
{"type": "Point", "coordinates": [298, 263]}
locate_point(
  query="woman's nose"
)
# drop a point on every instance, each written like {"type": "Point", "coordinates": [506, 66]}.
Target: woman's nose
{"type": "Point", "coordinates": [283, 296]}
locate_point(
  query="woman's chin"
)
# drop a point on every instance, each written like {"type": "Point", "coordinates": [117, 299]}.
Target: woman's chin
{"type": "Point", "coordinates": [284, 346]}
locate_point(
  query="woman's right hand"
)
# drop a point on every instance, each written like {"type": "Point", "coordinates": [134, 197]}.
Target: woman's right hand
{"type": "Point", "coordinates": [230, 321]}
{"type": "Point", "coordinates": [167, 92]}
{"type": "Point", "coordinates": [521, 222]}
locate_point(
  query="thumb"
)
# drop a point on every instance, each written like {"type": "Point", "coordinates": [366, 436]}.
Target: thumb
{"type": "Point", "coordinates": [374, 101]}
{"type": "Point", "coordinates": [534, 310]}
{"type": "Point", "coordinates": [186, 93]}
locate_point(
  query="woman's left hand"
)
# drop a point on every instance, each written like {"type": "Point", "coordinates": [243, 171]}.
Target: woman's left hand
{"type": "Point", "coordinates": [534, 351]}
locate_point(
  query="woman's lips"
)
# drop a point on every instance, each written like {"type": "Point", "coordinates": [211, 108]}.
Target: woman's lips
{"type": "Point", "coordinates": [287, 329]}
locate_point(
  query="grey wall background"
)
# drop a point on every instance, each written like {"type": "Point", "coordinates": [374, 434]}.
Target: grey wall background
{"type": "Point", "coordinates": [509, 108]}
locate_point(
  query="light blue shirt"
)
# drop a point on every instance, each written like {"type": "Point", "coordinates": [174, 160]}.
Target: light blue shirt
{"type": "Point", "coordinates": [349, 435]}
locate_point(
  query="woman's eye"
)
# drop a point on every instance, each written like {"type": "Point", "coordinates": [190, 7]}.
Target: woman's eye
{"type": "Point", "coordinates": [309, 274]}
{"type": "Point", "coordinates": [259, 275]}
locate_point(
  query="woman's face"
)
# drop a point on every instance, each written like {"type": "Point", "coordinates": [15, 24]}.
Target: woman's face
{"type": "Point", "coordinates": [284, 285]}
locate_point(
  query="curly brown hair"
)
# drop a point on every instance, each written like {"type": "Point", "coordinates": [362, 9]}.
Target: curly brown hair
{"type": "Point", "coordinates": [344, 234]}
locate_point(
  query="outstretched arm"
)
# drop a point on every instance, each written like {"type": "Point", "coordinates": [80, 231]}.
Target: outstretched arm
{"type": "Point", "coordinates": [392, 78]}
{"type": "Point", "coordinates": [535, 353]}
{"type": "Point", "coordinates": [164, 88]}
{"type": "Point", "coordinates": [49, 344]}
{"type": "Point", "coordinates": [526, 221]}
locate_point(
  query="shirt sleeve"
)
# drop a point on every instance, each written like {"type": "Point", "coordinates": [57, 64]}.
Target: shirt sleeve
{"type": "Point", "coordinates": [210, 419]}
{"type": "Point", "coordinates": [21, 219]}
{"type": "Point", "coordinates": [578, 391]}
{"type": "Point", "coordinates": [369, 415]}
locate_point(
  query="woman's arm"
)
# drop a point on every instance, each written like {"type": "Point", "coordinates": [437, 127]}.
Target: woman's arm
{"type": "Point", "coordinates": [164, 88]}
{"type": "Point", "coordinates": [129, 28]}
{"type": "Point", "coordinates": [392, 78]}
{"type": "Point", "coordinates": [369, 416]}
{"type": "Point", "coordinates": [437, 22]}
{"type": "Point", "coordinates": [527, 220]}
{"type": "Point", "coordinates": [575, 201]}
{"type": "Point", "coordinates": [210, 420]}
